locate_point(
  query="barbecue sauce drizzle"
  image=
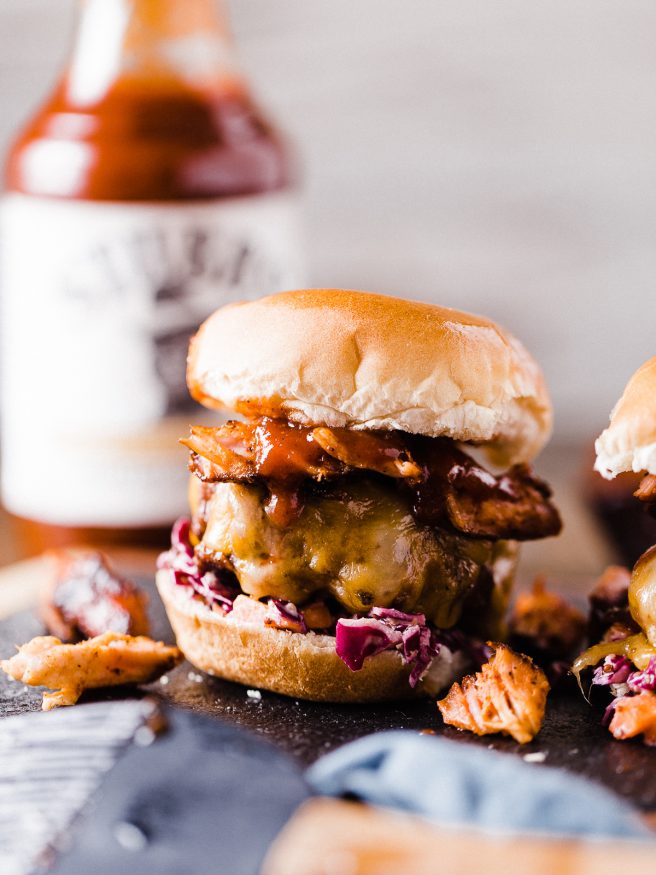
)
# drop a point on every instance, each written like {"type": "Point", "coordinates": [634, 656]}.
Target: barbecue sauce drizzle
{"type": "Point", "coordinates": [285, 457]}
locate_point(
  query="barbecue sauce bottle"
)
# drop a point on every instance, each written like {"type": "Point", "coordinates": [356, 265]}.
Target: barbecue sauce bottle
{"type": "Point", "coordinates": [146, 192]}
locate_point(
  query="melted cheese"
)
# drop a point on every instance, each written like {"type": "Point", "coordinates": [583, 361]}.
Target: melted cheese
{"type": "Point", "coordinates": [362, 547]}
{"type": "Point", "coordinates": [642, 594]}
{"type": "Point", "coordinates": [637, 649]}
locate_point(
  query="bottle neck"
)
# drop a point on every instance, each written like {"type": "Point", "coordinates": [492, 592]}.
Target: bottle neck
{"type": "Point", "coordinates": [163, 45]}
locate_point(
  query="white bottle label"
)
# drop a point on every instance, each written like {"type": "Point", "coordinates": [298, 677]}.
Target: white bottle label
{"type": "Point", "coordinates": [98, 304]}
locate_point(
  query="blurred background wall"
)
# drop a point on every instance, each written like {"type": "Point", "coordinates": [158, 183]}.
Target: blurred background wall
{"type": "Point", "coordinates": [499, 157]}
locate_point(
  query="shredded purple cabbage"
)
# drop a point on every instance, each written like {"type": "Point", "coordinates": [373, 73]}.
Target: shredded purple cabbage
{"type": "Point", "coordinates": [615, 669]}
{"type": "Point", "coordinates": [357, 639]}
{"type": "Point", "coordinates": [619, 673]}
{"type": "Point", "coordinates": [643, 680]}
{"type": "Point", "coordinates": [181, 561]}
{"type": "Point", "coordinates": [388, 629]}
{"type": "Point", "coordinates": [181, 537]}
{"type": "Point", "coordinates": [608, 713]}
{"type": "Point", "coordinates": [394, 616]}
{"type": "Point", "coordinates": [285, 615]}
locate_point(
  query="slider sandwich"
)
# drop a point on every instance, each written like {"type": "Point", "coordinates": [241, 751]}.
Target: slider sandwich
{"type": "Point", "coordinates": [624, 606]}
{"type": "Point", "coordinates": [346, 542]}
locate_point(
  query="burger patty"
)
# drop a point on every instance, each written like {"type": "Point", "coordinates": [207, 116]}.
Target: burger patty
{"type": "Point", "coordinates": [356, 540]}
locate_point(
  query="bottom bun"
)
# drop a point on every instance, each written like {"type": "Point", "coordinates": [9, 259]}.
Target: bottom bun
{"type": "Point", "coordinates": [304, 666]}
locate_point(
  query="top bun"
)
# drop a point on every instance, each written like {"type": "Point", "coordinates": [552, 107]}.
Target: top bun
{"type": "Point", "coordinates": [364, 361]}
{"type": "Point", "coordinates": [629, 442]}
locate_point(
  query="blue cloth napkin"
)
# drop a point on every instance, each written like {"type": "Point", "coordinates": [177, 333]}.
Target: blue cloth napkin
{"type": "Point", "coordinates": [466, 785]}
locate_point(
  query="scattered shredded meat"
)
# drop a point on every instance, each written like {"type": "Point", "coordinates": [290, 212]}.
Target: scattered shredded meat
{"type": "Point", "coordinates": [447, 487]}
{"type": "Point", "coordinates": [635, 715]}
{"type": "Point", "coordinates": [106, 661]}
{"type": "Point", "coordinates": [508, 695]}
{"type": "Point", "coordinates": [544, 625]}
{"type": "Point", "coordinates": [85, 598]}
{"type": "Point", "coordinates": [609, 603]}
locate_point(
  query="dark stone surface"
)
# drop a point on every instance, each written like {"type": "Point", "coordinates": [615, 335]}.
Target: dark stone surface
{"type": "Point", "coordinates": [204, 797]}
{"type": "Point", "coordinates": [572, 736]}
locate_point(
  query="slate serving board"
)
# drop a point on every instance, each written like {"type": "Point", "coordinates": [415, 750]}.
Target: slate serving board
{"type": "Point", "coordinates": [571, 737]}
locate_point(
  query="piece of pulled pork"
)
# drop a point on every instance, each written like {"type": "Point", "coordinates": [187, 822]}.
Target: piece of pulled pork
{"type": "Point", "coordinates": [635, 715]}
{"type": "Point", "coordinates": [544, 625]}
{"type": "Point", "coordinates": [646, 491]}
{"type": "Point", "coordinates": [85, 597]}
{"type": "Point", "coordinates": [106, 661]}
{"type": "Point", "coordinates": [507, 695]}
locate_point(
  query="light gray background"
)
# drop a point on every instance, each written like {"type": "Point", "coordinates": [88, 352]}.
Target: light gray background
{"type": "Point", "coordinates": [495, 156]}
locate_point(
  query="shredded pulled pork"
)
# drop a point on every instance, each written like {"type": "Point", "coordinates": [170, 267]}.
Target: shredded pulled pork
{"type": "Point", "coordinates": [544, 625]}
{"type": "Point", "coordinates": [383, 454]}
{"type": "Point", "coordinates": [646, 491]}
{"type": "Point", "coordinates": [86, 598]}
{"type": "Point", "coordinates": [240, 451]}
{"type": "Point", "coordinates": [507, 695]}
{"type": "Point", "coordinates": [635, 715]}
{"type": "Point", "coordinates": [456, 489]}
{"type": "Point", "coordinates": [447, 486]}
{"type": "Point", "coordinates": [229, 458]}
{"type": "Point", "coordinates": [106, 661]}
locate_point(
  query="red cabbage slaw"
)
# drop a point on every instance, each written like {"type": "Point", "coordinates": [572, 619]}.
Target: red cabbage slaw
{"type": "Point", "coordinates": [180, 560]}
{"type": "Point", "coordinates": [356, 638]}
{"type": "Point", "coordinates": [387, 629]}
{"type": "Point", "coordinates": [284, 615]}
{"type": "Point", "coordinates": [618, 672]}
{"type": "Point", "coordinates": [624, 679]}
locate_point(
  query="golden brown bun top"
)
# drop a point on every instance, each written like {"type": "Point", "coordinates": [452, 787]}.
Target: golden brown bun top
{"type": "Point", "coordinates": [364, 361]}
{"type": "Point", "coordinates": [629, 442]}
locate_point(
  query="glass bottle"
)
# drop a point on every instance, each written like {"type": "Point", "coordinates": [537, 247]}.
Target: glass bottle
{"type": "Point", "coordinates": [147, 191]}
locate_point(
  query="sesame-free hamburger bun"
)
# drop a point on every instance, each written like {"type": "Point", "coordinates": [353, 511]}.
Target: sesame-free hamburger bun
{"type": "Point", "coordinates": [366, 361]}
{"type": "Point", "coordinates": [629, 442]}
{"type": "Point", "coordinates": [240, 648]}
